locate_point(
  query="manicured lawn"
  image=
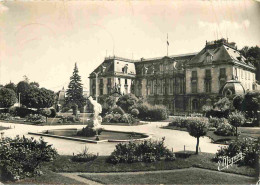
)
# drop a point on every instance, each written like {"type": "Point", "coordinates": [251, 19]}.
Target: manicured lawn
{"type": "Point", "coordinates": [191, 176]}
{"type": "Point", "coordinates": [48, 177]}
{"type": "Point", "coordinates": [203, 160]}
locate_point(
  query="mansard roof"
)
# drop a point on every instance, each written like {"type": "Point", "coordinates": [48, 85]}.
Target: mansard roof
{"type": "Point", "coordinates": [220, 52]}
{"type": "Point", "coordinates": [113, 65]}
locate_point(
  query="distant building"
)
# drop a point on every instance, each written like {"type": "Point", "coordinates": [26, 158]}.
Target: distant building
{"type": "Point", "coordinates": [60, 99]}
{"type": "Point", "coordinates": [183, 83]}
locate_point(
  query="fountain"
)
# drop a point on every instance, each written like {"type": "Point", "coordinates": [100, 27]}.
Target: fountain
{"type": "Point", "coordinates": [97, 119]}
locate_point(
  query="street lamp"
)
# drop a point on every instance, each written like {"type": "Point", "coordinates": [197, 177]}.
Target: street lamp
{"type": "Point", "coordinates": [96, 84]}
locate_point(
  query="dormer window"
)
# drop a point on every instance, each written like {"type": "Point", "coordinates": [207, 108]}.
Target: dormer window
{"type": "Point", "coordinates": [125, 69]}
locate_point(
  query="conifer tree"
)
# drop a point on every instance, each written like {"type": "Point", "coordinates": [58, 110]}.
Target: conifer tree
{"type": "Point", "coordinates": [74, 94]}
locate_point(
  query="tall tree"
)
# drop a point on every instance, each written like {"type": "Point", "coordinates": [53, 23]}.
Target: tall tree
{"type": "Point", "coordinates": [74, 92]}
{"type": "Point", "coordinates": [12, 86]}
{"type": "Point", "coordinates": [7, 97]}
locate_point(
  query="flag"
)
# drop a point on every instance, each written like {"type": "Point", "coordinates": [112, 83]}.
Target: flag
{"type": "Point", "coordinates": [167, 40]}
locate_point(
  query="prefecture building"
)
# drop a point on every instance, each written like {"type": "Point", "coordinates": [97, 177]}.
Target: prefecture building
{"type": "Point", "coordinates": [183, 83]}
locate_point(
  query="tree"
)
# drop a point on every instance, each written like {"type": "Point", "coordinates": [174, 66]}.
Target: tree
{"type": "Point", "coordinates": [34, 97]}
{"type": "Point", "coordinates": [39, 98]}
{"type": "Point", "coordinates": [237, 102]}
{"type": "Point", "coordinates": [45, 112]}
{"type": "Point", "coordinates": [7, 97]}
{"type": "Point", "coordinates": [36, 84]}
{"type": "Point", "coordinates": [197, 128]}
{"type": "Point", "coordinates": [236, 119]}
{"type": "Point", "coordinates": [75, 91]}
{"type": "Point", "coordinates": [251, 103]}
{"type": "Point", "coordinates": [22, 89]}
{"type": "Point", "coordinates": [12, 86]}
{"type": "Point", "coordinates": [126, 101]}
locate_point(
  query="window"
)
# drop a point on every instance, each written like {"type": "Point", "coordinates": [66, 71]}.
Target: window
{"type": "Point", "coordinates": [208, 86]}
{"type": "Point", "coordinates": [109, 81]}
{"type": "Point", "coordinates": [171, 85]}
{"type": "Point", "coordinates": [181, 86]}
{"type": "Point", "coordinates": [161, 68]}
{"type": "Point", "coordinates": [125, 81]}
{"type": "Point", "coordinates": [119, 81]}
{"type": "Point", "coordinates": [101, 91]}
{"type": "Point", "coordinates": [222, 72]}
{"type": "Point", "coordinates": [195, 104]}
{"type": "Point", "coordinates": [194, 87]}
{"type": "Point", "coordinates": [194, 74]}
{"type": "Point", "coordinates": [154, 87]}
{"type": "Point", "coordinates": [222, 83]}
{"type": "Point", "coordinates": [207, 73]}
{"type": "Point", "coordinates": [101, 81]}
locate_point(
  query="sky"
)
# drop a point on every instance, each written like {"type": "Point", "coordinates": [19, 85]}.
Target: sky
{"type": "Point", "coordinates": [44, 40]}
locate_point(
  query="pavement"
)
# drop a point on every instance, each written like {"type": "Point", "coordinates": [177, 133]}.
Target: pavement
{"type": "Point", "coordinates": [174, 139]}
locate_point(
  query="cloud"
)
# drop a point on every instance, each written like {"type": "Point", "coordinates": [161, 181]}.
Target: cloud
{"type": "Point", "coordinates": [224, 25]}
{"type": "Point", "coordinates": [3, 8]}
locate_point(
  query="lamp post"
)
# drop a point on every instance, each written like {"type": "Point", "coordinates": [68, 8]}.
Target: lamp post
{"type": "Point", "coordinates": [96, 84]}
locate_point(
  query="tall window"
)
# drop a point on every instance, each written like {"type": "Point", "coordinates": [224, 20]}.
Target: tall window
{"type": "Point", "coordinates": [154, 87]}
{"type": "Point", "coordinates": [194, 82]}
{"type": "Point", "coordinates": [119, 81]}
{"type": "Point", "coordinates": [207, 80]}
{"type": "Point", "coordinates": [222, 72]}
{"type": "Point", "coordinates": [194, 74]}
{"type": "Point", "coordinates": [125, 81]}
{"type": "Point", "coordinates": [171, 85]}
{"type": "Point", "coordinates": [194, 87]}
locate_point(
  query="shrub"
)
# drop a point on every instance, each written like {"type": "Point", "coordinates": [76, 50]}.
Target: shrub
{"type": "Point", "coordinates": [108, 118]}
{"type": "Point", "coordinates": [135, 112]}
{"type": "Point", "coordinates": [146, 151]}
{"type": "Point", "coordinates": [117, 110]}
{"type": "Point", "coordinates": [126, 101]}
{"type": "Point", "coordinates": [22, 111]}
{"type": "Point", "coordinates": [89, 131]}
{"type": "Point", "coordinates": [85, 156]}
{"type": "Point", "coordinates": [178, 122]}
{"type": "Point", "coordinates": [5, 116]}
{"type": "Point", "coordinates": [236, 119]}
{"type": "Point", "coordinates": [21, 157]}
{"type": "Point", "coordinates": [5, 110]}
{"type": "Point", "coordinates": [117, 118]}
{"type": "Point", "coordinates": [151, 112]}
{"type": "Point", "coordinates": [216, 122]}
{"type": "Point", "coordinates": [249, 147]}
{"type": "Point", "coordinates": [53, 113]}
{"type": "Point", "coordinates": [35, 118]}
{"type": "Point", "coordinates": [225, 129]}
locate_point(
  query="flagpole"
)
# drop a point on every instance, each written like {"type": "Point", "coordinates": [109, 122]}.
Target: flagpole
{"type": "Point", "coordinates": [167, 44]}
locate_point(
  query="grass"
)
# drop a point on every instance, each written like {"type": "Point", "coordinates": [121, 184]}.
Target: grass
{"type": "Point", "coordinates": [203, 160]}
{"type": "Point", "coordinates": [192, 176]}
{"type": "Point", "coordinates": [48, 177]}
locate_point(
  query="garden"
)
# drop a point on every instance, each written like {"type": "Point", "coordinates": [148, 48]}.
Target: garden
{"type": "Point", "coordinates": [39, 163]}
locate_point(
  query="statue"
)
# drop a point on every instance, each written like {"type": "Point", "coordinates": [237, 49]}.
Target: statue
{"type": "Point", "coordinates": [97, 110]}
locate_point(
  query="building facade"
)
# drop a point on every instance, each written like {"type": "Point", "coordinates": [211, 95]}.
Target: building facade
{"type": "Point", "coordinates": [183, 83]}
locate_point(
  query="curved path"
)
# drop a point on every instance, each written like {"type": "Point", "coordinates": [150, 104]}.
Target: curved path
{"type": "Point", "coordinates": [173, 138]}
